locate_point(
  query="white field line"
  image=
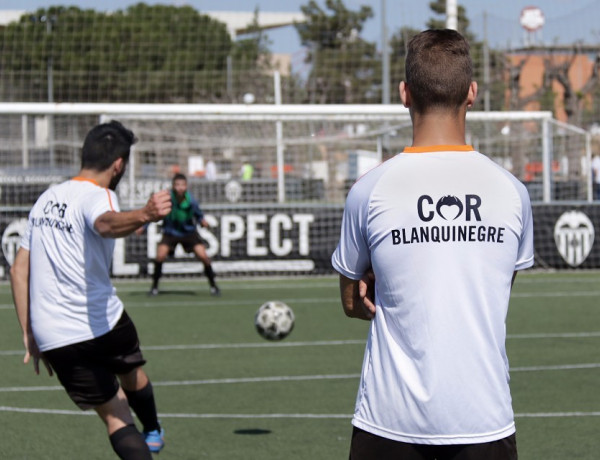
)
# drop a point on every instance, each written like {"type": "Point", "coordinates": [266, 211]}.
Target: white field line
{"type": "Point", "coordinates": [289, 378]}
{"type": "Point", "coordinates": [201, 286]}
{"type": "Point", "coordinates": [220, 346]}
{"type": "Point", "coordinates": [556, 294]}
{"type": "Point", "coordinates": [204, 301]}
{"type": "Point", "coordinates": [324, 343]}
{"type": "Point", "coordinates": [558, 367]}
{"type": "Point", "coordinates": [334, 297]}
{"type": "Point", "coordinates": [558, 335]}
{"type": "Point", "coordinates": [270, 416]}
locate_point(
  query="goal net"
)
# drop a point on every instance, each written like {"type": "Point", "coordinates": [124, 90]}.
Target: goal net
{"type": "Point", "coordinates": [278, 153]}
{"type": "Point", "coordinates": [272, 179]}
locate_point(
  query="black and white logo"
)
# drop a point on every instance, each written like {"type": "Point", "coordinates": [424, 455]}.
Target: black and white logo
{"type": "Point", "coordinates": [233, 191]}
{"type": "Point", "coordinates": [574, 237]}
{"type": "Point", "coordinates": [11, 239]}
{"type": "Point", "coordinates": [449, 207]}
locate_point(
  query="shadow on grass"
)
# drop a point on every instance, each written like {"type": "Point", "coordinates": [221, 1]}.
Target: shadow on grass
{"type": "Point", "coordinates": [165, 292]}
{"type": "Point", "coordinates": [252, 431]}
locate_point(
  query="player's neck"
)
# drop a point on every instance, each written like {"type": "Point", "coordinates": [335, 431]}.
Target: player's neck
{"type": "Point", "coordinates": [438, 129]}
{"type": "Point", "coordinates": [101, 178]}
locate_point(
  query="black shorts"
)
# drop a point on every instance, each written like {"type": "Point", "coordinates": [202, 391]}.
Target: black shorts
{"type": "Point", "coordinates": [369, 446]}
{"type": "Point", "coordinates": [188, 241]}
{"type": "Point", "coordinates": [88, 369]}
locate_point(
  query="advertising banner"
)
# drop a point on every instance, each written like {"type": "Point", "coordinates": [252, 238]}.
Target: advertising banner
{"type": "Point", "coordinates": [253, 240]}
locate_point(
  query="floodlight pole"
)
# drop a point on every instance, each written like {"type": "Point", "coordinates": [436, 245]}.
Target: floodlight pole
{"type": "Point", "coordinates": [385, 57]}
{"type": "Point", "coordinates": [49, 20]}
{"type": "Point", "coordinates": [452, 14]}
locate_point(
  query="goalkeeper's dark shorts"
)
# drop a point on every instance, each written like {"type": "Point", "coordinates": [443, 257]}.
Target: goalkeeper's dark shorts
{"type": "Point", "coordinates": [188, 242]}
{"type": "Point", "coordinates": [88, 370]}
{"type": "Point", "coordinates": [365, 445]}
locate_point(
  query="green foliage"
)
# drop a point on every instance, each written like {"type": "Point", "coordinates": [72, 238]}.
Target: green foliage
{"type": "Point", "coordinates": [251, 64]}
{"type": "Point", "coordinates": [345, 68]}
{"type": "Point", "coordinates": [398, 47]}
{"type": "Point", "coordinates": [144, 53]}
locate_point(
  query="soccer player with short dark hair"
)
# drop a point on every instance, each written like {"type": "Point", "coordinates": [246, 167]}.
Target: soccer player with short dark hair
{"type": "Point", "coordinates": [68, 309]}
{"type": "Point", "coordinates": [179, 227]}
{"type": "Point", "coordinates": [430, 243]}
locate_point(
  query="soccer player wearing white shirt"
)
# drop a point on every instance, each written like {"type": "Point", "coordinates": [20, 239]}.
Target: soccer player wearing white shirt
{"type": "Point", "coordinates": [443, 229]}
{"type": "Point", "coordinates": [68, 309]}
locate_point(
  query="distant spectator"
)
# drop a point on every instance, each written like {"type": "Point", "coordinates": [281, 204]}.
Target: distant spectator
{"type": "Point", "coordinates": [247, 171]}
{"type": "Point", "coordinates": [211, 170]}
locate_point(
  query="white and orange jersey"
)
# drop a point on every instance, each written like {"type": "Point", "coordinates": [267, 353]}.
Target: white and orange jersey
{"type": "Point", "coordinates": [443, 228]}
{"type": "Point", "coordinates": [71, 296]}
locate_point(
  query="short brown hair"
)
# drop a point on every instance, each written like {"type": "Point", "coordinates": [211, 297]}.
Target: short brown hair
{"type": "Point", "coordinates": [105, 143]}
{"type": "Point", "coordinates": [439, 70]}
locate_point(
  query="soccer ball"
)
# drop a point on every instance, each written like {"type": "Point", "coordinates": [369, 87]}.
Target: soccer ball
{"type": "Point", "coordinates": [274, 320]}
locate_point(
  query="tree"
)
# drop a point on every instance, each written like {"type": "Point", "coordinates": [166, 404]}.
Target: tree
{"type": "Point", "coordinates": [345, 68]}
{"type": "Point", "coordinates": [141, 54]}
{"type": "Point", "coordinates": [574, 101]}
{"type": "Point", "coordinates": [398, 47]}
{"type": "Point", "coordinates": [251, 65]}
{"type": "Point", "coordinates": [558, 62]}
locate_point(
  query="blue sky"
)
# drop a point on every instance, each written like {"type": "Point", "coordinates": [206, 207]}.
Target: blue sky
{"type": "Point", "coordinates": [566, 20]}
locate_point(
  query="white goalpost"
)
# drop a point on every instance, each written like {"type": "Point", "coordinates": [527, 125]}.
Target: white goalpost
{"type": "Point", "coordinates": [290, 147]}
{"type": "Point", "coordinates": [278, 174]}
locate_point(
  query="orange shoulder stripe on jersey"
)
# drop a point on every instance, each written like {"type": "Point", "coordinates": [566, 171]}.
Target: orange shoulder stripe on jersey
{"type": "Point", "coordinates": [439, 148]}
{"type": "Point", "coordinates": [85, 179]}
{"type": "Point", "coordinates": [109, 200]}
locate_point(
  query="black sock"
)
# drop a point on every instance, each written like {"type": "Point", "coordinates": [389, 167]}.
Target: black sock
{"type": "Point", "coordinates": [129, 444]}
{"type": "Point", "coordinates": [157, 274]}
{"type": "Point", "coordinates": [142, 403]}
{"type": "Point", "coordinates": [210, 274]}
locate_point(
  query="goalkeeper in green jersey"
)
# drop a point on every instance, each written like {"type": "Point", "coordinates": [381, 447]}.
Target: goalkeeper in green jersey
{"type": "Point", "coordinates": [179, 227]}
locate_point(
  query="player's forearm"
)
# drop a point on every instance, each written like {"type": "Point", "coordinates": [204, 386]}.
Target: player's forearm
{"type": "Point", "coordinates": [19, 282]}
{"type": "Point", "coordinates": [119, 224]}
{"type": "Point", "coordinates": [113, 224]}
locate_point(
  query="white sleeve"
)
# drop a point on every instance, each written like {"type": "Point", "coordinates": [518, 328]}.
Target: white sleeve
{"type": "Point", "coordinates": [352, 257]}
{"type": "Point", "coordinates": [525, 257]}
{"type": "Point", "coordinates": [25, 242]}
{"type": "Point", "coordinates": [102, 200]}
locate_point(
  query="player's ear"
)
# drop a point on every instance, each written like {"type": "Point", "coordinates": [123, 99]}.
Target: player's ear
{"type": "Point", "coordinates": [472, 94]}
{"type": "Point", "coordinates": [405, 94]}
{"type": "Point", "coordinates": [118, 166]}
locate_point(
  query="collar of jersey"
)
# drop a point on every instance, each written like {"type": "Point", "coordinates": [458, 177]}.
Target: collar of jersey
{"type": "Point", "coordinates": [439, 148]}
{"type": "Point", "coordinates": [85, 179]}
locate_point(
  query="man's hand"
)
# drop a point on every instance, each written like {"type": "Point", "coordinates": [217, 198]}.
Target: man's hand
{"type": "Point", "coordinates": [32, 351]}
{"type": "Point", "coordinates": [158, 206]}
{"type": "Point", "coordinates": [356, 304]}
{"type": "Point", "coordinates": [366, 291]}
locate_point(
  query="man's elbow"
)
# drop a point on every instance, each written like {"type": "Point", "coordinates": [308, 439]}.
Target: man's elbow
{"type": "Point", "coordinates": [14, 271]}
{"type": "Point", "coordinates": [104, 230]}
{"type": "Point", "coordinates": [104, 225]}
